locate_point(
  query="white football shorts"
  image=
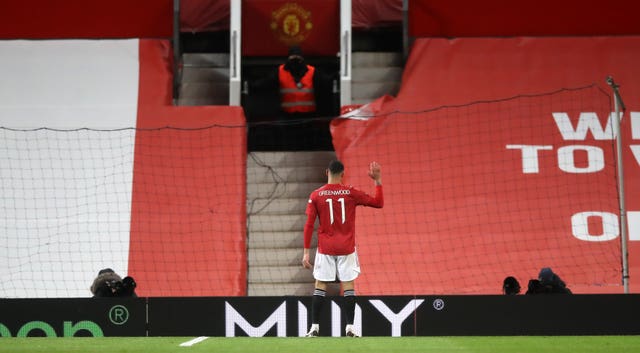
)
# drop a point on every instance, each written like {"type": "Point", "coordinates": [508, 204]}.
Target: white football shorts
{"type": "Point", "coordinates": [328, 268]}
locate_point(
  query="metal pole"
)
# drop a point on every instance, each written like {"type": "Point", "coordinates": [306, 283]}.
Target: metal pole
{"type": "Point", "coordinates": [619, 108]}
{"type": "Point", "coordinates": [345, 52]}
{"type": "Point", "coordinates": [177, 52]}
{"type": "Point", "coordinates": [405, 29]}
{"type": "Point", "coordinates": [235, 53]}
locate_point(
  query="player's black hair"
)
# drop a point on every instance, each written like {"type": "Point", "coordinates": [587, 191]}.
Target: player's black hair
{"type": "Point", "coordinates": [336, 167]}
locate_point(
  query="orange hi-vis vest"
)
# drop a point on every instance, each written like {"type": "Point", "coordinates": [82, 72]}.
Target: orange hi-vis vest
{"type": "Point", "coordinates": [297, 98]}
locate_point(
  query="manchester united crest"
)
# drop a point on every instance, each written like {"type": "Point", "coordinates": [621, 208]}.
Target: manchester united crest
{"type": "Point", "coordinates": [291, 23]}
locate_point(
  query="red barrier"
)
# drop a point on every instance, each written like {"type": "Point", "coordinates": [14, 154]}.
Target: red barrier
{"type": "Point", "coordinates": [188, 217]}
{"type": "Point", "coordinates": [461, 210]}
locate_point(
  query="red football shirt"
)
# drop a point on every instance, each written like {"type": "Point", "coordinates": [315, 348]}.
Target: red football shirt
{"type": "Point", "coordinates": [335, 206]}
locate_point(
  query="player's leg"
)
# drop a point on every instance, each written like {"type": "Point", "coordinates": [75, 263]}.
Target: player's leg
{"type": "Point", "coordinates": [348, 271]}
{"type": "Point", "coordinates": [317, 302]}
{"type": "Point", "coordinates": [349, 292]}
{"type": "Point", "coordinates": [324, 270]}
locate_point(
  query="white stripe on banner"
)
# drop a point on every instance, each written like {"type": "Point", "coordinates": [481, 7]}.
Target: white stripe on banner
{"type": "Point", "coordinates": [69, 84]}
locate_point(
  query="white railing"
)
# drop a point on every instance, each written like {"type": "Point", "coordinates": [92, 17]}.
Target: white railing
{"type": "Point", "coordinates": [235, 53]}
{"type": "Point", "coordinates": [345, 52]}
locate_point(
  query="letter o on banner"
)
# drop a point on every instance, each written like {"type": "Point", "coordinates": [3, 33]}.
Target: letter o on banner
{"type": "Point", "coordinates": [580, 226]}
{"type": "Point", "coordinates": [566, 161]}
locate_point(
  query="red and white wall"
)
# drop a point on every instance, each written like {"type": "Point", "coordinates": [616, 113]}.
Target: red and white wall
{"type": "Point", "coordinates": [91, 191]}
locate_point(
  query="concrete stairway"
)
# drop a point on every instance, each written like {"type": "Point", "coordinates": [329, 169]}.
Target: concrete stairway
{"type": "Point", "coordinates": [204, 79]}
{"type": "Point", "coordinates": [374, 75]}
{"type": "Point", "coordinates": [278, 187]}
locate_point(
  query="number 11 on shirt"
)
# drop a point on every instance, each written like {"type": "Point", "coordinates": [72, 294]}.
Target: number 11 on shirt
{"type": "Point", "coordinates": [330, 202]}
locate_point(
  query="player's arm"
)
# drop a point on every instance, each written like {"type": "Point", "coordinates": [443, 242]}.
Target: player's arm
{"type": "Point", "coordinates": [376, 201]}
{"type": "Point", "coordinates": [308, 233]}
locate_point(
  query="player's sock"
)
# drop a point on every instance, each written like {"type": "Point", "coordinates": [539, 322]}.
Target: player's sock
{"type": "Point", "coordinates": [317, 302]}
{"type": "Point", "coordinates": [349, 305]}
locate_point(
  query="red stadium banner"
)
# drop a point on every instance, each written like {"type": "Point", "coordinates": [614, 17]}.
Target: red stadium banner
{"type": "Point", "coordinates": [270, 27]}
{"type": "Point", "coordinates": [42, 19]}
{"type": "Point", "coordinates": [192, 171]}
{"type": "Point", "coordinates": [468, 18]}
{"type": "Point", "coordinates": [213, 15]}
{"type": "Point", "coordinates": [204, 15]}
{"type": "Point", "coordinates": [524, 178]}
{"type": "Point", "coordinates": [368, 14]}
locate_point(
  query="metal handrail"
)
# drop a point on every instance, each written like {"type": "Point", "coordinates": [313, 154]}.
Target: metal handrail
{"type": "Point", "coordinates": [234, 48]}
{"type": "Point", "coordinates": [346, 53]}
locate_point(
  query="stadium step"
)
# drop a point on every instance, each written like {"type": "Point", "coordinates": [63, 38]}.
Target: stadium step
{"type": "Point", "coordinates": [205, 74]}
{"type": "Point", "coordinates": [280, 289]}
{"type": "Point", "coordinates": [213, 91]}
{"type": "Point", "coordinates": [197, 101]}
{"type": "Point", "coordinates": [287, 190]}
{"type": "Point", "coordinates": [281, 240]}
{"type": "Point", "coordinates": [277, 257]}
{"type": "Point", "coordinates": [204, 79]}
{"type": "Point", "coordinates": [277, 206]}
{"type": "Point", "coordinates": [361, 59]}
{"type": "Point", "coordinates": [377, 74]}
{"type": "Point", "coordinates": [278, 187]}
{"type": "Point", "coordinates": [373, 90]}
{"type": "Point", "coordinates": [277, 223]}
{"type": "Point", "coordinates": [374, 75]}
{"type": "Point", "coordinates": [280, 274]}
{"type": "Point", "coordinates": [205, 60]}
{"type": "Point", "coordinates": [260, 174]}
{"type": "Point", "coordinates": [291, 159]}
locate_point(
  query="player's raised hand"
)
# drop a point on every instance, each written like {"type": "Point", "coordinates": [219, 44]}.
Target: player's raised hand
{"type": "Point", "coordinates": [375, 171]}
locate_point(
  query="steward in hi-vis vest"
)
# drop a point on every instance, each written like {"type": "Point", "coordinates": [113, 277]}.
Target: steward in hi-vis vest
{"type": "Point", "coordinates": [297, 99]}
{"type": "Point", "coordinates": [297, 96]}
